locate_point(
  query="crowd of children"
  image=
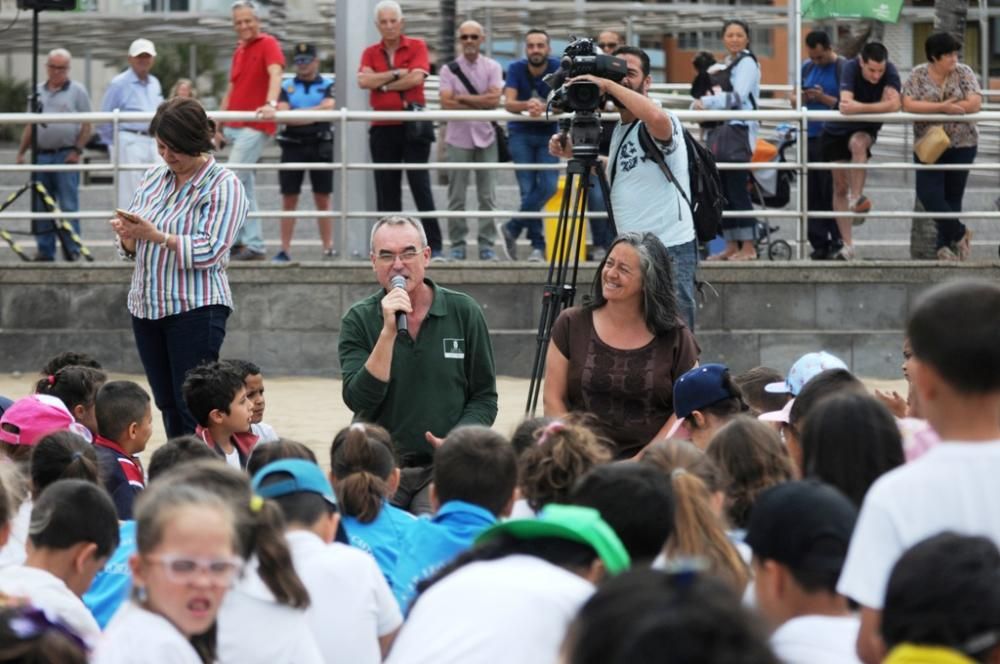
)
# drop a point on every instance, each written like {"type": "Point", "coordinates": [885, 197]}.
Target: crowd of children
{"type": "Point", "coordinates": [788, 517]}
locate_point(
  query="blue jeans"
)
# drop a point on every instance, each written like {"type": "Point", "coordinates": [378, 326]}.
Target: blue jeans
{"type": "Point", "coordinates": [168, 348]}
{"type": "Point", "coordinates": [734, 186]}
{"type": "Point", "coordinates": [537, 187]}
{"type": "Point", "coordinates": [684, 258]}
{"type": "Point", "coordinates": [247, 146]}
{"type": "Point", "coordinates": [942, 191]}
{"type": "Point", "coordinates": [65, 189]}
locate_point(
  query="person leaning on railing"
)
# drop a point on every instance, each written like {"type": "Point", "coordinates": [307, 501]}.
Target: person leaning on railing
{"type": "Point", "coordinates": [183, 220]}
{"type": "Point", "coordinates": [945, 85]}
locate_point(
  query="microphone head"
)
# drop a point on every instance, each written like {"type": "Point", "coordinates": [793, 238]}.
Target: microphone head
{"type": "Point", "coordinates": [398, 281]}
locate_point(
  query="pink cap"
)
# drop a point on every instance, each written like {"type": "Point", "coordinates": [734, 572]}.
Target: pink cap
{"type": "Point", "coordinates": [34, 417]}
{"type": "Point", "coordinates": [783, 415]}
{"type": "Point", "coordinates": [678, 430]}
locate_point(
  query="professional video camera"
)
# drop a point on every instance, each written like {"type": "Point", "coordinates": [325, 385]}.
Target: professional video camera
{"type": "Point", "coordinates": [582, 57]}
{"type": "Point", "coordinates": [583, 98]}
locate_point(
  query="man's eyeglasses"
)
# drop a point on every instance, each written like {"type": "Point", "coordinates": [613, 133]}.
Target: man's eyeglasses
{"type": "Point", "coordinates": [58, 67]}
{"type": "Point", "coordinates": [607, 46]}
{"type": "Point", "coordinates": [469, 37]}
{"type": "Point", "coordinates": [185, 569]}
{"type": "Point", "coordinates": [388, 258]}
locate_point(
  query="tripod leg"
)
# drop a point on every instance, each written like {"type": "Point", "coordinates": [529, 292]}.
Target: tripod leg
{"type": "Point", "coordinates": [559, 290]}
{"type": "Point", "coordinates": [602, 180]}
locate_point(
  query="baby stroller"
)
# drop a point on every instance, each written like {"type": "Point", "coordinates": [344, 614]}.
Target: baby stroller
{"type": "Point", "coordinates": [772, 188]}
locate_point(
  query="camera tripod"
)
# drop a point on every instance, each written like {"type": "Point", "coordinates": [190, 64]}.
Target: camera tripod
{"type": "Point", "coordinates": [560, 284]}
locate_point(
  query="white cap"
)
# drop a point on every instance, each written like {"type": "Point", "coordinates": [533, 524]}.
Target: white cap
{"type": "Point", "coordinates": [140, 46]}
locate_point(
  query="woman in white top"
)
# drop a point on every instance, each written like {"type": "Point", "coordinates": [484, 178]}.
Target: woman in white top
{"type": "Point", "coordinates": [186, 560]}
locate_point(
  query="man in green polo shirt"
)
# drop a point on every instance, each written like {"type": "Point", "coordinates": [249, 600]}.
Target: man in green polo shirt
{"type": "Point", "coordinates": [423, 383]}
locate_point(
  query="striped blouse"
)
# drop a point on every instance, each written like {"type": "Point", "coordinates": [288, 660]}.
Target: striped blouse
{"type": "Point", "coordinates": [205, 215]}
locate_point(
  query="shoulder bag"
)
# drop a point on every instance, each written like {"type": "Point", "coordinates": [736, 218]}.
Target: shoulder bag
{"type": "Point", "coordinates": [503, 150]}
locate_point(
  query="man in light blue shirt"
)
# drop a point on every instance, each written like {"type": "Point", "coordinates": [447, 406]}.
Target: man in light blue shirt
{"type": "Point", "coordinates": [133, 90]}
{"type": "Point", "coordinates": [642, 199]}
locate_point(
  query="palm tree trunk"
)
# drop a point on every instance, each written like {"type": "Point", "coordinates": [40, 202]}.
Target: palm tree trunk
{"type": "Point", "coordinates": [949, 16]}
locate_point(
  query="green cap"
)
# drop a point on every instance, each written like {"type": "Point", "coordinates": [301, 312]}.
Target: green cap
{"type": "Point", "coordinates": [570, 522]}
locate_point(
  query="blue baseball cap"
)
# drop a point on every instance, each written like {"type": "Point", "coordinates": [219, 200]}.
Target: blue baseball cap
{"type": "Point", "coordinates": [301, 476]}
{"type": "Point", "coordinates": [700, 387]}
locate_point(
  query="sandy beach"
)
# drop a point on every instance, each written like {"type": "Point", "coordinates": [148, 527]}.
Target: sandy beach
{"type": "Point", "coordinates": [311, 410]}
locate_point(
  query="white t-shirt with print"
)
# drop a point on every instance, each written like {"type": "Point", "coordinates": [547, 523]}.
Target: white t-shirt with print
{"type": "Point", "coordinates": [254, 627]}
{"type": "Point", "coordinates": [48, 592]}
{"type": "Point", "coordinates": [817, 640]}
{"type": "Point", "coordinates": [515, 609]}
{"type": "Point", "coordinates": [642, 198]}
{"type": "Point", "coordinates": [138, 636]}
{"type": "Point", "coordinates": [951, 487]}
{"type": "Point", "coordinates": [351, 605]}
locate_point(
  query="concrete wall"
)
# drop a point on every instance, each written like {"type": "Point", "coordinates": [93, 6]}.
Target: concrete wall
{"type": "Point", "coordinates": [288, 317]}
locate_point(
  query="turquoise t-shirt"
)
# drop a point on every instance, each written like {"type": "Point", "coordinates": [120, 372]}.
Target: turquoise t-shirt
{"type": "Point", "coordinates": [434, 542]}
{"type": "Point", "coordinates": [111, 586]}
{"type": "Point", "coordinates": [383, 537]}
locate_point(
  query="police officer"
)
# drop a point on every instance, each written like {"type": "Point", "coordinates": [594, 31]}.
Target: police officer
{"type": "Point", "coordinates": [306, 141]}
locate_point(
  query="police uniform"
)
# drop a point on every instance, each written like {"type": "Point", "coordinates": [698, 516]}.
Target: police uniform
{"type": "Point", "coordinates": [305, 143]}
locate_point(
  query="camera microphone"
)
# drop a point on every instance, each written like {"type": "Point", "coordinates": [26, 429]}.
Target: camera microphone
{"type": "Point", "coordinates": [399, 281]}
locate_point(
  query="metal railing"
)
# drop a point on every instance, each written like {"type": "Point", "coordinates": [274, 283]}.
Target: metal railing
{"type": "Point", "coordinates": [343, 117]}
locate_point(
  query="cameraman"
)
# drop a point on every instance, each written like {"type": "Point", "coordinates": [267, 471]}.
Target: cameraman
{"type": "Point", "coordinates": [642, 199]}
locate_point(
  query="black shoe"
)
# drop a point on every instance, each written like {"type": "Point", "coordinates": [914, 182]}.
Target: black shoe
{"type": "Point", "coordinates": [42, 258]}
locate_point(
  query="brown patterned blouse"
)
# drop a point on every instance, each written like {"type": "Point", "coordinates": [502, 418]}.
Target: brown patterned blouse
{"type": "Point", "coordinates": [630, 391]}
{"type": "Point", "coordinates": [961, 83]}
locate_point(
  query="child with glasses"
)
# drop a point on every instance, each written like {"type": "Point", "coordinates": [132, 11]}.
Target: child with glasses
{"type": "Point", "coordinates": [185, 562]}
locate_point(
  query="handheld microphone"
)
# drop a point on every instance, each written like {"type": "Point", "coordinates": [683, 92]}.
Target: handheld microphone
{"type": "Point", "coordinates": [399, 281]}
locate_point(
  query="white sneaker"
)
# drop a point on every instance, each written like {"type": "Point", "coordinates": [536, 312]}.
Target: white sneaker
{"type": "Point", "coordinates": [846, 253]}
{"type": "Point", "coordinates": [536, 256]}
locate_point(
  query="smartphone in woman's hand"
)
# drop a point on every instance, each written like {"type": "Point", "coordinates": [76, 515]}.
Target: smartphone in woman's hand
{"type": "Point", "coordinates": [128, 216]}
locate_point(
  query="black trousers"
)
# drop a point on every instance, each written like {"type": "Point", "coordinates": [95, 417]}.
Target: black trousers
{"type": "Point", "coordinates": [823, 233]}
{"type": "Point", "coordinates": [389, 145]}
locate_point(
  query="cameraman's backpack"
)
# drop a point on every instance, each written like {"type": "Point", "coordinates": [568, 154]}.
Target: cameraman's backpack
{"type": "Point", "coordinates": [707, 200]}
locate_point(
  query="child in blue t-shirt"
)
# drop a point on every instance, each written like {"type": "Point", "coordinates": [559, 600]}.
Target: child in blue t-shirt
{"type": "Point", "coordinates": [475, 473]}
{"type": "Point", "coordinates": [364, 474]}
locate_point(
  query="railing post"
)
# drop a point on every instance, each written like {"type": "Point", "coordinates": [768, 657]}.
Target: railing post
{"type": "Point", "coordinates": [115, 160]}
{"type": "Point", "coordinates": [342, 234]}
{"type": "Point", "coordinates": [802, 227]}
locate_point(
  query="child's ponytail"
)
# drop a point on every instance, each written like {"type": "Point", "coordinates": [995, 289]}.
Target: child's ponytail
{"type": "Point", "coordinates": [275, 560]}
{"type": "Point", "coordinates": [362, 461]}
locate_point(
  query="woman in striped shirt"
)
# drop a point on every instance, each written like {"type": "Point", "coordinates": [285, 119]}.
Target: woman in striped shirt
{"type": "Point", "coordinates": [179, 228]}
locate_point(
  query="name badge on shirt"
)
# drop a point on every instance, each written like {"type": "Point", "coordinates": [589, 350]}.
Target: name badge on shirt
{"type": "Point", "coordinates": [454, 349]}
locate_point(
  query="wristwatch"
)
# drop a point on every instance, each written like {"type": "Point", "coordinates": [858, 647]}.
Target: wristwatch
{"type": "Point", "coordinates": [273, 103]}
{"type": "Point", "coordinates": [76, 149]}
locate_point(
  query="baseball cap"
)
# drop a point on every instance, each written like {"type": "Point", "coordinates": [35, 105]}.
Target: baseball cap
{"type": "Point", "coordinates": [33, 417]}
{"type": "Point", "coordinates": [569, 522]}
{"type": "Point", "coordinates": [303, 53]}
{"type": "Point", "coordinates": [783, 415]}
{"type": "Point", "coordinates": [804, 369]}
{"type": "Point", "coordinates": [301, 476]}
{"type": "Point", "coordinates": [696, 389]}
{"type": "Point", "coordinates": [805, 525]}
{"type": "Point", "coordinates": [140, 46]}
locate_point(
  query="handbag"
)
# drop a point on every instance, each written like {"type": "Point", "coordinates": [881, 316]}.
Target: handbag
{"type": "Point", "coordinates": [932, 144]}
{"type": "Point", "coordinates": [730, 143]}
{"type": "Point", "coordinates": [503, 149]}
{"type": "Point", "coordinates": [416, 131]}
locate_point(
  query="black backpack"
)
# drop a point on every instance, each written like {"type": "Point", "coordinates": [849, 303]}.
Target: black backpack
{"type": "Point", "coordinates": [707, 200]}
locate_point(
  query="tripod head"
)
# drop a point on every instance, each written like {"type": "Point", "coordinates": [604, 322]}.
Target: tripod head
{"type": "Point", "coordinates": [584, 128]}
